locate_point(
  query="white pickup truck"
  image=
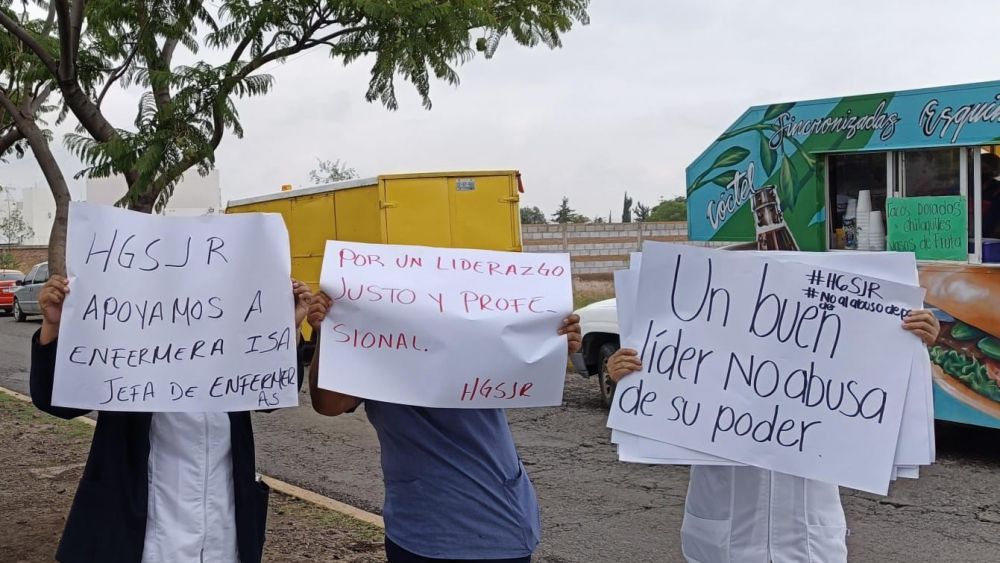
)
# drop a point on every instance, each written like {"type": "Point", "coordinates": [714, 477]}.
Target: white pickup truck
{"type": "Point", "coordinates": [599, 327]}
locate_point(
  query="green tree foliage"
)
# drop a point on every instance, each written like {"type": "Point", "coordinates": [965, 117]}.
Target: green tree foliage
{"type": "Point", "coordinates": [641, 212]}
{"type": "Point", "coordinates": [24, 80]}
{"type": "Point", "coordinates": [78, 50]}
{"type": "Point", "coordinates": [13, 231]}
{"type": "Point", "coordinates": [532, 216]}
{"type": "Point", "coordinates": [565, 214]}
{"type": "Point", "coordinates": [13, 228]}
{"type": "Point", "coordinates": [7, 261]}
{"type": "Point", "coordinates": [670, 210]}
{"type": "Point", "coordinates": [330, 171]}
{"type": "Point", "coordinates": [627, 209]}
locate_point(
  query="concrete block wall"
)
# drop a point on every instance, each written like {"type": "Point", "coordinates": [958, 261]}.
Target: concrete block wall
{"type": "Point", "coordinates": [597, 250]}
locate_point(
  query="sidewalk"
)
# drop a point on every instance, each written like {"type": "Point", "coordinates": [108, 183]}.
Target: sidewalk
{"type": "Point", "coordinates": [41, 461]}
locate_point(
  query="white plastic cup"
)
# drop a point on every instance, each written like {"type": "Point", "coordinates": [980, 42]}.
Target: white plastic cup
{"type": "Point", "coordinates": [865, 200]}
{"type": "Point", "coordinates": [864, 210]}
{"type": "Point", "coordinates": [875, 219]}
{"type": "Point", "coordinates": [876, 231]}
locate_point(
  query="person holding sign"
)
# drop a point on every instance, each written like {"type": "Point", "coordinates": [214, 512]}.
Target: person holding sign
{"type": "Point", "coordinates": [455, 488]}
{"type": "Point", "coordinates": [158, 487]}
{"type": "Point", "coordinates": [745, 513]}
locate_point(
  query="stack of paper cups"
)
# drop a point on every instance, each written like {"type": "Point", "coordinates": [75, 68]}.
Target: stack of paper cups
{"type": "Point", "coordinates": [864, 212]}
{"type": "Point", "coordinates": [851, 224]}
{"type": "Point", "coordinates": [876, 231]}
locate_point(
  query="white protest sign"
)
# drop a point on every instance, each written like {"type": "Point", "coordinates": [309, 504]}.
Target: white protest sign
{"type": "Point", "coordinates": [444, 327]}
{"type": "Point", "coordinates": [916, 434]}
{"type": "Point", "coordinates": [176, 314]}
{"type": "Point", "coordinates": [626, 288]}
{"type": "Point", "coordinates": [652, 451]}
{"type": "Point", "coordinates": [898, 267]}
{"type": "Point", "coordinates": [916, 440]}
{"type": "Point", "coordinates": [786, 366]}
{"type": "Point", "coordinates": [632, 448]}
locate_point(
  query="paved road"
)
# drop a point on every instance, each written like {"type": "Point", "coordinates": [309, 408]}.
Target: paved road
{"type": "Point", "coordinates": [596, 509]}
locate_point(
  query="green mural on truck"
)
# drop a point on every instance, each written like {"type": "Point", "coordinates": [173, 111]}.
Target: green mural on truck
{"type": "Point", "coordinates": [764, 181]}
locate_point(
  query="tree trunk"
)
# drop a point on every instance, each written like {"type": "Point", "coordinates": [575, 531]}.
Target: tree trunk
{"type": "Point", "coordinates": [86, 111]}
{"type": "Point", "coordinates": [145, 202]}
{"type": "Point", "coordinates": [8, 139]}
{"type": "Point", "coordinates": [57, 184]}
{"type": "Point", "coordinates": [60, 192]}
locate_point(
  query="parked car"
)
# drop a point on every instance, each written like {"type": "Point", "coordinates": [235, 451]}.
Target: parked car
{"type": "Point", "coordinates": [8, 283]}
{"type": "Point", "coordinates": [599, 327]}
{"type": "Point", "coordinates": [26, 294]}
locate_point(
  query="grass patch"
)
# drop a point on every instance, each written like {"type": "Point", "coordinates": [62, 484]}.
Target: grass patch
{"type": "Point", "coordinates": [359, 530]}
{"type": "Point", "coordinates": [586, 292]}
{"type": "Point", "coordinates": [21, 411]}
{"type": "Point", "coordinates": [17, 409]}
{"type": "Point", "coordinates": [297, 531]}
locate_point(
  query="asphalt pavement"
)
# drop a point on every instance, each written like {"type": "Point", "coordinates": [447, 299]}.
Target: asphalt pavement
{"type": "Point", "coordinates": [595, 509]}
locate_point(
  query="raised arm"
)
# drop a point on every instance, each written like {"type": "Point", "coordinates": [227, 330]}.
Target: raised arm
{"type": "Point", "coordinates": [328, 403]}
{"type": "Point", "coordinates": [44, 347]}
{"type": "Point", "coordinates": [303, 299]}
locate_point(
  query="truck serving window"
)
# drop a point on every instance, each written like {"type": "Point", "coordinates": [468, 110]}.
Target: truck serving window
{"type": "Point", "coordinates": [931, 173]}
{"type": "Point", "coordinates": [849, 174]}
{"type": "Point", "coordinates": [973, 172]}
{"type": "Point", "coordinates": [990, 206]}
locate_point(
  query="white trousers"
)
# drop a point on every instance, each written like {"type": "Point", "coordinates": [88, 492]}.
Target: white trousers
{"type": "Point", "coordinates": [752, 515]}
{"type": "Point", "coordinates": [191, 509]}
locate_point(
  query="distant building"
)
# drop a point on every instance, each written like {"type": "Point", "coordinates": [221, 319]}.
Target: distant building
{"type": "Point", "coordinates": [194, 195]}
{"type": "Point", "coordinates": [37, 207]}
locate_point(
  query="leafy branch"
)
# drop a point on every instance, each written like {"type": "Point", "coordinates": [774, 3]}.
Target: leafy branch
{"type": "Point", "coordinates": [773, 159]}
{"type": "Point", "coordinates": [729, 158]}
{"type": "Point", "coordinates": [84, 48]}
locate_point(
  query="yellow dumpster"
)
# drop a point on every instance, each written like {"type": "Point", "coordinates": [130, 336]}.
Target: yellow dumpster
{"type": "Point", "coordinates": [445, 209]}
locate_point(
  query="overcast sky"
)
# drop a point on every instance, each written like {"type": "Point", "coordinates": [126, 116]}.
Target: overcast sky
{"type": "Point", "coordinates": [626, 104]}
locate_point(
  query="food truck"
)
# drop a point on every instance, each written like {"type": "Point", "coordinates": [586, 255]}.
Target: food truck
{"type": "Point", "coordinates": [912, 171]}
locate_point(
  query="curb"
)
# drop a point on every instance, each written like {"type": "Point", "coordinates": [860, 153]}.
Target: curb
{"type": "Point", "coordinates": [282, 487]}
{"type": "Point", "coordinates": [323, 502]}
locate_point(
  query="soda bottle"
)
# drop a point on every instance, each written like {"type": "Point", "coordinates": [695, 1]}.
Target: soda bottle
{"type": "Point", "coordinates": [772, 232]}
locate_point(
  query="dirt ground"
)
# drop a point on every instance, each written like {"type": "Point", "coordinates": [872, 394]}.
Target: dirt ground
{"type": "Point", "coordinates": [41, 462]}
